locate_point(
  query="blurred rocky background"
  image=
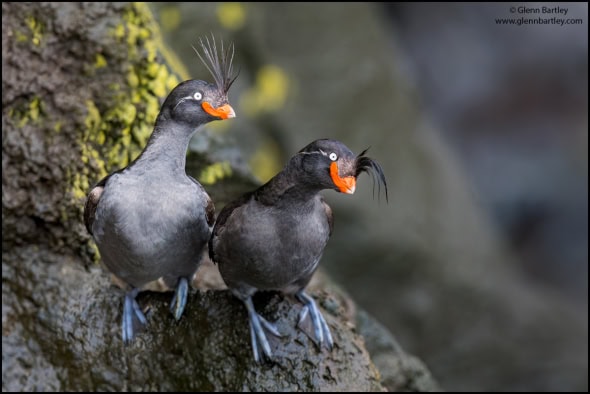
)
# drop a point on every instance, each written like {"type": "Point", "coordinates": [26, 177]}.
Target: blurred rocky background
{"type": "Point", "coordinates": [479, 262]}
{"type": "Point", "coordinates": [512, 101]}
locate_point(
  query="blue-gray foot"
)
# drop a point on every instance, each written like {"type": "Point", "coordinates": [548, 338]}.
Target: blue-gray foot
{"type": "Point", "coordinates": [179, 300]}
{"type": "Point", "coordinates": [258, 325]}
{"type": "Point", "coordinates": [321, 331]}
{"type": "Point", "coordinates": [131, 313]}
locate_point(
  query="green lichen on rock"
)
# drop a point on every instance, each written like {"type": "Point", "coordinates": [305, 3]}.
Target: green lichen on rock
{"type": "Point", "coordinates": [36, 29]}
{"type": "Point", "coordinates": [170, 18]}
{"type": "Point", "coordinates": [231, 15]}
{"type": "Point", "coordinates": [118, 130]}
{"type": "Point", "coordinates": [29, 112]}
{"type": "Point", "coordinates": [270, 92]}
{"type": "Point", "coordinates": [100, 61]}
{"type": "Point", "coordinates": [214, 172]}
{"type": "Point", "coordinates": [33, 32]}
{"type": "Point", "coordinates": [266, 160]}
{"type": "Point", "coordinates": [128, 118]}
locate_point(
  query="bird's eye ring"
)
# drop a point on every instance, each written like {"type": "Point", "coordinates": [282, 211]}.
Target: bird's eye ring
{"type": "Point", "coordinates": [333, 156]}
{"type": "Point", "coordinates": [198, 96]}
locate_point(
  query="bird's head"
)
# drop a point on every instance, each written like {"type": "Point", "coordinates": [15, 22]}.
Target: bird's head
{"type": "Point", "coordinates": [332, 165]}
{"type": "Point", "coordinates": [197, 102]}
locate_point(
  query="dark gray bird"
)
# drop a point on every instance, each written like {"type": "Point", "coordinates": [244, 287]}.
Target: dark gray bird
{"type": "Point", "coordinates": [150, 220]}
{"type": "Point", "coordinates": [273, 238]}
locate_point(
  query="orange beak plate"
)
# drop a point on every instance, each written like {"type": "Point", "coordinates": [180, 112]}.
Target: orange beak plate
{"type": "Point", "coordinates": [345, 185]}
{"type": "Point", "coordinates": [224, 112]}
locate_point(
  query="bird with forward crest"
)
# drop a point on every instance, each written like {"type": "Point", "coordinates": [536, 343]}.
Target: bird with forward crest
{"type": "Point", "coordinates": [273, 237]}
{"type": "Point", "coordinates": [150, 220]}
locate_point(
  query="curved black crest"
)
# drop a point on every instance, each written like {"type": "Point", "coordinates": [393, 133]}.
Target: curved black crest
{"type": "Point", "coordinates": [368, 165]}
{"type": "Point", "coordinates": [219, 64]}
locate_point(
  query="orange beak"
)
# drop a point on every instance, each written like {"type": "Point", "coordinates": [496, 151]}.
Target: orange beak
{"type": "Point", "coordinates": [345, 185]}
{"type": "Point", "coordinates": [223, 112]}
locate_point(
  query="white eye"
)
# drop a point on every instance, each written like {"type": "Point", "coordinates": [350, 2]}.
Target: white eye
{"type": "Point", "coordinates": [333, 156]}
{"type": "Point", "coordinates": [198, 96]}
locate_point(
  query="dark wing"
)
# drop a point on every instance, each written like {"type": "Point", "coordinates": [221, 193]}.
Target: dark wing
{"type": "Point", "coordinates": [329, 215]}
{"type": "Point", "coordinates": [210, 210]}
{"type": "Point", "coordinates": [225, 213]}
{"type": "Point", "coordinates": [92, 203]}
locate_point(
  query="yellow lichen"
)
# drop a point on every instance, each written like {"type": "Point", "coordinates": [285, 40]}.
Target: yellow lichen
{"type": "Point", "coordinates": [214, 172]}
{"type": "Point", "coordinates": [141, 134]}
{"type": "Point", "coordinates": [119, 31]}
{"type": "Point", "coordinates": [129, 119]}
{"type": "Point", "coordinates": [170, 18]}
{"type": "Point", "coordinates": [93, 118]}
{"type": "Point", "coordinates": [115, 158]}
{"type": "Point", "coordinates": [152, 69]}
{"type": "Point", "coordinates": [20, 36]}
{"type": "Point", "coordinates": [94, 252]}
{"type": "Point", "coordinates": [35, 109]}
{"type": "Point", "coordinates": [127, 113]}
{"type": "Point", "coordinates": [158, 84]}
{"type": "Point", "coordinates": [125, 141]}
{"type": "Point", "coordinates": [79, 186]}
{"type": "Point", "coordinates": [29, 112]}
{"type": "Point", "coordinates": [151, 49]}
{"type": "Point", "coordinates": [101, 137]}
{"type": "Point", "coordinates": [232, 16]}
{"type": "Point", "coordinates": [268, 94]}
{"type": "Point", "coordinates": [100, 61]}
{"type": "Point", "coordinates": [151, 110]}
{"type": "Point", "coordinates": [171, 59]}
{"type": "Point", "coordinates": [273, 84]}
{"type": "Point", "coordinates": [266, 161]}
{"type": "Point", "coordinates": [171, 82]}
{"type": "Point", "coordinates": [132, 79]}
{"type": "Point", "coordinates": [93, 135]}
{"type": "Point", "coordinates": [36, 29]}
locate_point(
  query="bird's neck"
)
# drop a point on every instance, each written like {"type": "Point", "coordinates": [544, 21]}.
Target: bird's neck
{"type": "Point", "coordinates": [288, 186]}
{"type": "Point", "coordinates": [166, 147]}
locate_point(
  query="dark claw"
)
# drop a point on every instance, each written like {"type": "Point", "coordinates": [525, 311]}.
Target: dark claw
{"type": "Point", "coordinates": [321, 330]}
{"type": "Point", "coordinates": [257, 334]}
{"type": "Point", "coordinates": [179, 300]}
{"type": "Point", "coordinates": [131, 311]}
